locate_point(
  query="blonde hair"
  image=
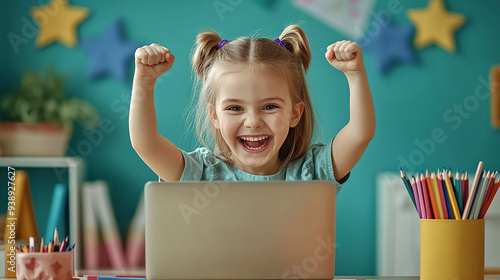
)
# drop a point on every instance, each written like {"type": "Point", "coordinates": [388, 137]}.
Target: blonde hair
{"type": "Point", "coordinates": [290, 63]}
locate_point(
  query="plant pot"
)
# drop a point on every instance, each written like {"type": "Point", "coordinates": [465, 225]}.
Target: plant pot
{"type": "Point", "coordinates": [19, 139]}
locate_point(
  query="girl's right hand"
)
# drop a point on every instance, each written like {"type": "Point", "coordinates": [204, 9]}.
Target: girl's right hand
{"type": "Point", "coordinates": [152, 61]}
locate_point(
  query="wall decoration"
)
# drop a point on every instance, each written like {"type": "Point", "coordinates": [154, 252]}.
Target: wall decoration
{"type": "Point", "coordinates": [346, 16]}
{"type": "Point", "coordinates": [109, 53]}
{"type": "Point", "coordinates": [435, 25]}
{"type": "Point", "coordinates": [391, 44]}
{"type": "Point", "coordinates": [495, 96]}
{"type": "Point", "coordinates": [58, 21]}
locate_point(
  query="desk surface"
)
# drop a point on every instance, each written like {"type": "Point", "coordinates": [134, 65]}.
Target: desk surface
{"type": "Point", "coordinates": [486, 277]}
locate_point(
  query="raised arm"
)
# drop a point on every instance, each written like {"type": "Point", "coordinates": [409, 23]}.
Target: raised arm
{"type": "Point", "coordinates": [353, 138]}
{"type": "Point", "coordinates": [163, 157]}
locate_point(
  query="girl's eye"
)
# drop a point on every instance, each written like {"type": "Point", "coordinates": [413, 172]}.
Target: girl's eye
{"type": "Point", "coordinates": [270, 107]}
{"type": "Point", "coordinates": [234, 108]}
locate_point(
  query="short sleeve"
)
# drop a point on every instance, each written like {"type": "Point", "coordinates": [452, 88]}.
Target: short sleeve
{"type": "Point", "coordinates": [317, 165]}
{"type": "Point", "coordinates": [203, 165]}
{"type": "Point", "coordinates": [193, 165]}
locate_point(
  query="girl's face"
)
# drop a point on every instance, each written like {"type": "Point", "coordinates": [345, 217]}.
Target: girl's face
{"type": "Point", "coordinates": [254, 113]}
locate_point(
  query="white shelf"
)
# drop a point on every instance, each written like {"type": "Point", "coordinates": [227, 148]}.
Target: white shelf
{"type": "Point", "coordinates": [76, 169]}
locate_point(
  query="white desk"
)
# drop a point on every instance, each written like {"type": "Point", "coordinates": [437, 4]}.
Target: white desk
{"type": "Point", "coordinates": [486, 277]}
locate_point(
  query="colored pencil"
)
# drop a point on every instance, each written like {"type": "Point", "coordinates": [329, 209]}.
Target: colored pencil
{"type": "Point", "coordinates": [427, 197]}
{"type": "Point", "coordinates": [51, 247]}
{"type": "Point", "coordinates": [409, 189]}
{"type": "Point", "coordinates": [487, 193]}
{"type": "Point", "coordinates": [414, 189]}
{"type": "Point", "coordinates": [56, 237]}
{"type": "Point", "coordinates": [493, 193]}
{"type": "Point", "coordinates": [475, 197]}
{"type": "Point", "coordinates": [423, 205]}
{"type": "Point", "coordinates": [442, 195]}
{"type": "Point", "coordinates": [62, 248]}
{"type": "Point", "coordinates": [464, 192]}
{"type": "Point", "coordinates": [451, 196]}
{"type": "Point", "coordinates": [484, 192]}
{"type": "Point", "coordinates": [32, 244]}
{"type": "Point", "coordinates": [458, 191]}
{"type": "Point", "coordinates": [41, 245]}
{"type": "Point", "coordinates": [466, 188]}
{"type": "Point", "coordinates": [476, 204]}
{"type": "Point", "coordinates": [71, 248]}
{"type": "Point", "coordinates": [468, 205]}
{"type": "Point", "coordinates": [437, 195]}
{"type": "Point", "coordinates": [418, 197]}
{"type": "Point", "coordinates": [432, 195]}
{"type": "Point", "coordinates": [447, 198]}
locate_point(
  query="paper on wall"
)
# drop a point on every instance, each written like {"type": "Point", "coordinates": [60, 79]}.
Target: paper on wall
{"type": "Point", "coordinates": [348, 17]}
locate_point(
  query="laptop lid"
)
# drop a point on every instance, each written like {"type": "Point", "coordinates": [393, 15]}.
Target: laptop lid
{"type": "Point", "coordinates": [240, 230]}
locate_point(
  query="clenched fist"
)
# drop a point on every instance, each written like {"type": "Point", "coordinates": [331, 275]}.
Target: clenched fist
{"type": "Point", "coordinates": [345, 56]}
{"type": "Point", "coordinates": [152, 61]}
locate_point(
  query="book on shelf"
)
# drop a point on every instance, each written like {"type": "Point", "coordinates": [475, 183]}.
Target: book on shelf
{"type": "Point", "coordinates": [57, 214]}
{"type": "Point", "coordinates": [136, 246]}
{"type": "Point", "coordinates": [101, 238]}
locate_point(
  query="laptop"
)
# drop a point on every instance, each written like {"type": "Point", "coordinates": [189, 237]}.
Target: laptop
{"type": "Point", "coordinates": [240, 230]}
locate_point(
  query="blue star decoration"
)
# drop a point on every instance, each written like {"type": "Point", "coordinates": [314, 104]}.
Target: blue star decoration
{"type": "Point", "coordinates": [109, 53]}
{"type": "Point", "coordinates": [390, 44]}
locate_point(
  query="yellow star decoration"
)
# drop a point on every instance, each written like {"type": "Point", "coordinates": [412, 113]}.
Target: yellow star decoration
{"type": "Point", "coordinates": [435, 25]}
{"type": "Point", "coordinates": [57, 22]}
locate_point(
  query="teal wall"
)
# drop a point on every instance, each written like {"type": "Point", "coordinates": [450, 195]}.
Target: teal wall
{"type": "Point", "coordinates": [411, 101]}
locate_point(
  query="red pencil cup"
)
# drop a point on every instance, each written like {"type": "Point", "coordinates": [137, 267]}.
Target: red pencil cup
{"type": "Point", "coordinates": [451, 249]}
{"type": "Point", "coordinates": [57, 265]}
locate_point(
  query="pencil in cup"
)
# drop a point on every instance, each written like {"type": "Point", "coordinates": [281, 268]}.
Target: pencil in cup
{"type": "Point", "coordinates": [432, 195]}
{"type": "Point", "coordinates": [472, 193]}
{"type": "Point", "coordinates": [426, 196]}
{"type": "Point", "coordinates": [418, 197]}
{"type": "Point", "coordinates": [451, 196]}
{"type": "Point", "coordinates": [487, 193]}
{"type": "Point", "coordinates": [443, 196]}
{"type": "Point", "coordinates": [408, 186]}
{"type": "Point", "coordinates": [438, 196]}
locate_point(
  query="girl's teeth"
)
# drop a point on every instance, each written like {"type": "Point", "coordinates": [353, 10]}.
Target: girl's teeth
{"type": "Point", "coordinates": [247, 140]}
{"type": "Point", "coordinates": [254, 138]}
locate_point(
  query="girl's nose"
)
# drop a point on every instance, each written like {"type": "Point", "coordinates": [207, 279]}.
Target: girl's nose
{"type": "Point", "coordinates": [253, 121]}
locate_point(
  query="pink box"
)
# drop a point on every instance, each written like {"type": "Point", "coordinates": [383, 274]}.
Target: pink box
{"type": "Point", "coordinates": [45, 266]}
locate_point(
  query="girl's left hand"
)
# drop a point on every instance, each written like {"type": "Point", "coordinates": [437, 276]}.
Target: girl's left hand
{"type": "Point", "coordinates": [346, 56]}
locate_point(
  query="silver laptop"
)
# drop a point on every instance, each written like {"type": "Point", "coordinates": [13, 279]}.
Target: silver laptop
{"type": "Point", "coordinates": [240, 230]}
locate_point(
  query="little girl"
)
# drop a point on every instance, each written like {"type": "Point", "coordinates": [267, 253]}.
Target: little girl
{"type": "Point", "coordinates": [254, 114]}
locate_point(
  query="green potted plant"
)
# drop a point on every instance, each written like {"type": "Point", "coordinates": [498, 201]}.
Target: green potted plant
{"type": "Point", "coordinates": [41, 117]}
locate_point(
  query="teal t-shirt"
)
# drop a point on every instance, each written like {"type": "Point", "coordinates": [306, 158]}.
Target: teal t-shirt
{"type": "Point", "coordinates": [316, 164]}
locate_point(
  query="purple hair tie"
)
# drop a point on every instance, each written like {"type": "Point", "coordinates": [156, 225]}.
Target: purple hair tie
{"type": "Point", "coordinates": [279, 41]}
{"type": "Point", "coordinates": [222, 43]}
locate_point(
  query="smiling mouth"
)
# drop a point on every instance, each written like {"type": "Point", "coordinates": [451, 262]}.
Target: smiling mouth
{"type": "Point", "coordinates": [255, 143]}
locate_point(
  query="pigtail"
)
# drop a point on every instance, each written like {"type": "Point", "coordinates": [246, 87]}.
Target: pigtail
{"type": "Point", "coordinates": [204, 54]}
{"type": "Point", "coordinates": [295, 40]}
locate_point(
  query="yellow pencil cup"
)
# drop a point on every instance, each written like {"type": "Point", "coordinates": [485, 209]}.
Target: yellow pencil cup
{"type": "Point", "coordinates": [451, 249]}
